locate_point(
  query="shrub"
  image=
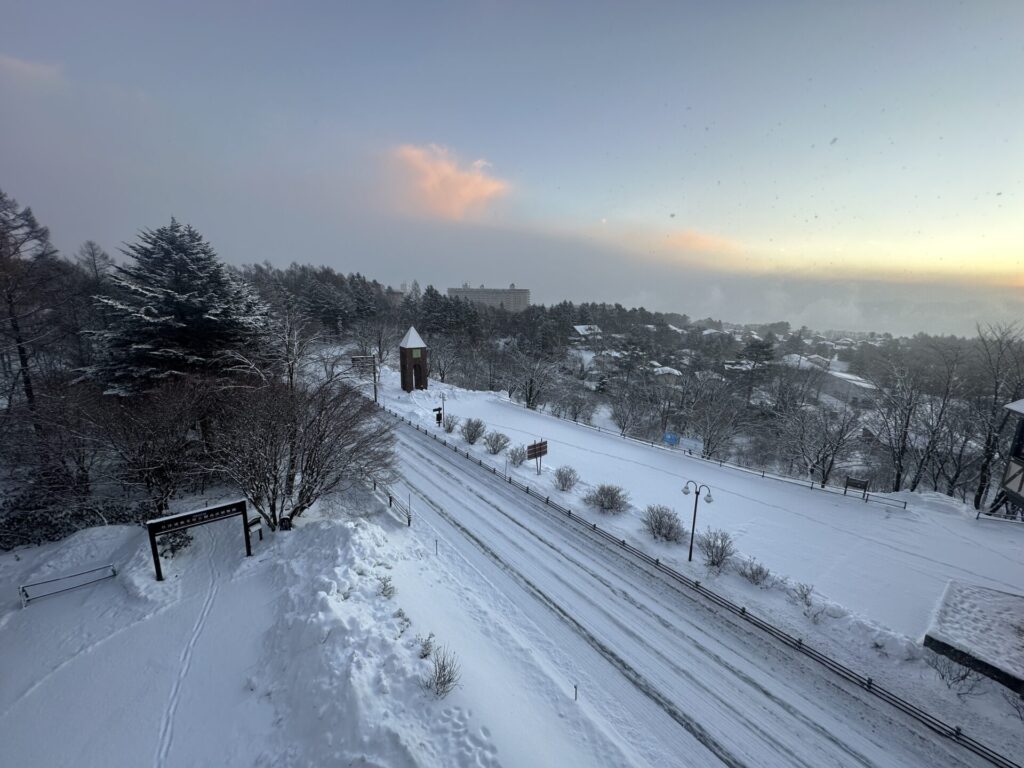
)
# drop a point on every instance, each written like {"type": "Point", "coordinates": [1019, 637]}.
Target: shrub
{"type": "Point", "coordinates": [608, 498]}
{"type": "Point", "coordinates": [175, 542]}
{"type": "Point", "coordinates": [802, 594]}
{"type": "Point", "coordinates": [386, 587]}
{"type": "Point", "coordinates": [662, 523]}
{"type": "Point", "coordinates": [444, 673]}
{"type": "Point", "coordinates": [754, 572]}
{"type": "Point", "coordinates": [472, 430]}
{"type": "Point", "coordinates": [717, 547]}
{"type": "Point", "coordinates": [566, 478]}
{"type": "Point", "coordinates": [426, 645]}
{"type": "Point", "coordinates": [496, 442]}
{"type": "Point", "coordinates": [450, 422]}
{"type": "Point", "coordinates": [964, 681]}
{"type": "Point", "coordinates": [517, 455]}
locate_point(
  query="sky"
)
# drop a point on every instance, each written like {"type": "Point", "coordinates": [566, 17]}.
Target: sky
{"type": "Point", "coordinates": [855, 166]}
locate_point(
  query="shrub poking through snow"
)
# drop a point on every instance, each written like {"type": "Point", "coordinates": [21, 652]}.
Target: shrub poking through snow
{"type": "Point", "coordinates": [717, 548]}
{"type": "Point", "coordinates": [386, 587]}
{"type": "Point", "coordinates": [426, 645]}
{"type": "Point", "coordinates": [608, 498]}
{"type": "Point", "coordinates": [1016, 702]}
{"type": "Point", "coordinates": [472, 430]}
{"type": "Point", "coordinates": [754, 572]}
{"type": "Point", "coordinates": [496, 442]}
{"type": "Point", "coordinates": [450, 422]}
{"type": "Point", "coordinates": [962, 680]}
{"type": "Point", "coordinates": [802, 594]}
{"type": "Point", "coordinates": [566, 478]}
{"type": "Point", "coordinates": [517, 455]}
{"type": "Point", "coordinates": [174, 542]}
{"type": "Point", "coordinates": [444, 673]}
{"type": "Point", "coordinates": [662, 523]}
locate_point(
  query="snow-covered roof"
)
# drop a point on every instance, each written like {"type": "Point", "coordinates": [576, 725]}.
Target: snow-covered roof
{"type": "Point", "coordinates": [677, 330]}
{"type": "Point", "coordinates": [411, 340]}
{"type": "Point", "coordinates": [664, 370]}
{"type": "Point", "coordinates": [1017, 406]}
{"type": "Point", "coordinates": [857, 381]}
{"type": "Point", "coordinates": [654, 364]}
{"type": "Point", "coordinates": [586, 330]}
{"type": "Point", "coordinates": [710, 332]}
{"type": "Point", "coordinates": [982, 623]}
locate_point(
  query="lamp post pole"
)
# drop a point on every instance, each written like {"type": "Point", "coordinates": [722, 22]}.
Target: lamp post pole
{"type": "Point", "coordinates": [696, 500]}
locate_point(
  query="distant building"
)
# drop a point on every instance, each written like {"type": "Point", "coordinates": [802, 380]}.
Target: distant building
{"type": "Point", "coordinates": [513, 299]}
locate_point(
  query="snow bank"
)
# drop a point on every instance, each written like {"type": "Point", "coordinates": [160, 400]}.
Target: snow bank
{"type": "Point", "coordinates": [341, 666]}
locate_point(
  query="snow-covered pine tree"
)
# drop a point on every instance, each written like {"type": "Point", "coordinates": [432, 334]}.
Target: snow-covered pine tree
{"type": "Point", "coordinates": [175, 310]}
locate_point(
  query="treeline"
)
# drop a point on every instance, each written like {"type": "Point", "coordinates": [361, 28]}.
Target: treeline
{"type": "Point", "coordinates": [126, 385]}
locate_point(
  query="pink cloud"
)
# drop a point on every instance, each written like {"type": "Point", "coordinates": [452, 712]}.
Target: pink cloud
{"type": "Point", "coordinates": [30, 72]}
{"type": "Point", "coordinates": [436, 184]}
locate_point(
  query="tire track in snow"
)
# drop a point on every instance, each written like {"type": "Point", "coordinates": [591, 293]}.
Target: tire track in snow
{"type": "Point", "coordinates": [185, 660]}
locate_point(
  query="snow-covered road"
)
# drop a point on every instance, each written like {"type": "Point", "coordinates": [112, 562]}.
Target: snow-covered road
{"type": "Point", "coordinates": [672, 680]}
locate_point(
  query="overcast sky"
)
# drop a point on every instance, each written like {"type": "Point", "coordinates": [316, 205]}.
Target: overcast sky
{"type": "Point", "coordinates": [844, 165]}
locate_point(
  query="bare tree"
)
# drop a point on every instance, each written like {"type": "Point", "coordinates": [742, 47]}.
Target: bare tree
{"type": "Point", "coordinates": [286, 448]}
{"type": "Point", "coordinates": [998, 362]}
{"type": "Point", "coordinates": [899, 394]}
{"type": "Point", "coordinates": [818, 438]}
{"type": "Point", "coordinates": [717, 418]}
{"type": "Point", "coordinates": [445, 353]}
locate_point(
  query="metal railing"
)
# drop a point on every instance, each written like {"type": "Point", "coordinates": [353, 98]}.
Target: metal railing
{"type": "Point", "coordinates": [866, 683]}
{"type": "Point", "coordinates": [107, 572]}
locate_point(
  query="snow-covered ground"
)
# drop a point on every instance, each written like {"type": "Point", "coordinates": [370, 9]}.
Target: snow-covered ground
{"type": "Point", "coordinates": [886, 564]}
{"type": "Point", "coordinates": [295, 657]}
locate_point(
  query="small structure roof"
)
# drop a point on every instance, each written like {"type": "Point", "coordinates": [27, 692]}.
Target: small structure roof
{"type": "Point", "coordinates": [411, 340]}
{"type": "Point", "coordinates": [586, 330]}
{"type": "Point", "coordinates": [1017, 406]}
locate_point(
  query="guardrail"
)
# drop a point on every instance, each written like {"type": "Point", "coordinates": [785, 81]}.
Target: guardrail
{"type": "Point", "coordinates": [813, 485]}
{"type": "Point", "coordinates": [394, 502]}
{"type": "Point", "coordinates": [953, 732]}
{"type": "Point", "coordinates": [107, 572]}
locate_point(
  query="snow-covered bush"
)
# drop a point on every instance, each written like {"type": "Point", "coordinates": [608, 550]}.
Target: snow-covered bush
{"type": "Point", "coordinates": [426, 645]}
{"type": "Point", "coordinates": [472, 430]}
{"type": "Point", "coordinates": [386, 587]}
{"type": "Point", "coordinates": [801, 594]}
{"type": "Point", "coordinates": [496, 442]}
{"type": "Point", "coordinates": [608, 498]}
{"type": "Point", "coordinates": [662, 523]}
{"type": "Point", "coordinates": [517, 455]}
{"type": "Point", "coordinates": [450, 422]}
{"type": "Point", "coordinates": [754, 572]}
{"type": "Point", "coordinates": [717, 547]}
{"type": "Point", "coordinates": [566, 478]}
{"type": "Point", "coordinates": [175, 542]}
{"type": "Point", "coordinates": [444, 673]}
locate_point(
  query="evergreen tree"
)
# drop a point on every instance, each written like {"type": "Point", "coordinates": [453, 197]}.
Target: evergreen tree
{"type": "Point", "coordinates": [175, 309]}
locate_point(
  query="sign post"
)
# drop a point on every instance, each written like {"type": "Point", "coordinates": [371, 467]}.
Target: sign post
{"type": "Point", "coordinates": [537, 451]}
{"type": "Point", "coordinates": [179, 522]}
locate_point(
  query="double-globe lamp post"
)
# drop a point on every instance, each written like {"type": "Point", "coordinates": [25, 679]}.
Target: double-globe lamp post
{"type": "Point", "coordinates": [696, 499]}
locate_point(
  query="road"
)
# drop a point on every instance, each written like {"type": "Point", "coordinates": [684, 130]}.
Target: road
{"type": "Point", "coordinates": [676, 681]}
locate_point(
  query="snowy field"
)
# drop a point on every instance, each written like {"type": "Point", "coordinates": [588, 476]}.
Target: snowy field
{"type": "Point", "coordinates": [887, 565]}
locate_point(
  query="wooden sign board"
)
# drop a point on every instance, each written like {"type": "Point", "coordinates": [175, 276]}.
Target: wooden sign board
{"type": "Point", "coordinates": [536, 450]}
{"type": "Point", "coordinates": [183, 520]}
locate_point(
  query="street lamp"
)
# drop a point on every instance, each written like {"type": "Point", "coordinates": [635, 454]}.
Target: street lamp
{"type": "Point", "coordinates": [696, 499]}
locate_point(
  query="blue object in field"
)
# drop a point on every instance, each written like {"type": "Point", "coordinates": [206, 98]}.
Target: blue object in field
{"type": "Point", "coordinates": [671, 438]}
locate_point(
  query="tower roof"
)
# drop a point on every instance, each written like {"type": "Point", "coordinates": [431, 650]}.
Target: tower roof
{"type": "Point", "coordinates": [411, 340]}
